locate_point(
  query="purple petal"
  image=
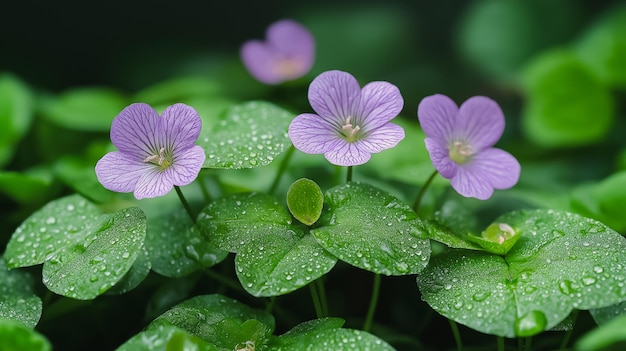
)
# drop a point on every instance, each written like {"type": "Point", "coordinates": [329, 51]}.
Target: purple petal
{"type": "Point", "coordinates": [347, 154]}
{"type": "Point", "coordinates": [491, 169]}
{"type": "Point", "coordinates": [118, 172]}
{"type": "Point", "coordinates": [312, 134]}
{"type": "Point", "coordinates": [260, 60]}
{"type": "Point", "coordinates": [186, 166]}
{"type": "Point", "coordinates": [335, 95]}
{"type": "Point", "coordinates": [440, 157]}
{"type": "Point", "coordinates": [153, 183]}
{"type": "Point", "coordinates": [381, 138]}
{"type": "Point", "coordinates": [481, 121]}
{"type": "Point", "coordinates": [133, 131]}
{"type": "Point", "coordinates": [438, 117]}
{"type": "Point", "coordinates": [179, 127]}
{"type": "Point", "coordinates": [380, 103]}
{"type": "Point", "coordinates": [292, 39]}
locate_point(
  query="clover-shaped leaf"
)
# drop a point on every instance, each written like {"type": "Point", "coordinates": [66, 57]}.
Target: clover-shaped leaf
{"type": "Point", "coordinates": [274, 255]}
{"type": "Point", "coordinates": [372, 230]}
{"type": "Point", "coordinates": [17, 298]}
{"type": "Point", "coordinates": [221, 321]}
{"type": "Point", "coordinates": [561, 261]}
{"type": "Point", "coordinates": [247, 136]}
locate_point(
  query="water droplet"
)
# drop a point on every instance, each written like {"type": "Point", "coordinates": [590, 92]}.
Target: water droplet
{"type": "Point", "coordinates": [598, 269]}
{"type": "Point", "coordinates": [530, 324]}
{"type": "Point", "coordinates": [448, 286]}
{"type": "Point", "coordinates": [588, 280]}
{"type": "Point", "coordinates": [568, 287]}
{"type": "Point", "coordinates": [481, 296]}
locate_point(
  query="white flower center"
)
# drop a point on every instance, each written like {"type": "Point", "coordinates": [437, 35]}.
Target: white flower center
{"type": "Point", "coordinates": [460, 152]}
{"type": "Point", "coordinates": [161, 159]}
{"type": "Point", "coordinates": [350, 131]}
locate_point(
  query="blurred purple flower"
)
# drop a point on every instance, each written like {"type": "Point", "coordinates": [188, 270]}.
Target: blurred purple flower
{"type": "Point", "coordinates": [460, 140]}
{"type": "Point", "coordinates": [155, 152]}
{"type": "Point", "coordinates": [288, 53]}
{"type": "Point", "coordinates": [351, 123]}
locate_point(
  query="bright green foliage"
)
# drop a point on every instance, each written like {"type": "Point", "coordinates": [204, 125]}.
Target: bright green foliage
{"type": "Point", "coordinates": [603, 201]}
{"type": "Point", "coordinates": [247, 136]}
{"type": "Point", "coordinates": [30, 187]}
{"type": "Point", "coordinates": [218, 320]}
{"type": "Point", "coordinates": [166, 338]}
{"type": "Point", "coordinates": [561, 261]}
{"type": "Point", "coordinates": [610, 336]}
{"type": "Point", "coordinates": [16, 114]}
{"type": "Point", "coordinates": [603, 47]}
{"type": "Point", "coordinates": [84, 252]}
{"type": "Point", "coordinates": [15, 336]}
{"type": "Point", "coordinates": [84, 109]}
{"type": "Point", "coordinates": [566, 104]}
{"type": "Point", "coordinates": [274, 255]}
{"type": "Point", "coordinates": [305, 201]}
{"type": "Point", "coordinates": [17, 299]}
{"type": "Point", "coordinates": [372, 230]}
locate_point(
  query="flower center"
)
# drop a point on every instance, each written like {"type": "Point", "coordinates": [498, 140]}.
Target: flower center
{"type": "Point", "coordinates": [161, 159]}
{"type": "Point", "coordinates": [287, 67]}
{"type": "Point", "coordinates": [460, 152]}
{"type": "Point", "coordinates": [350, 131]}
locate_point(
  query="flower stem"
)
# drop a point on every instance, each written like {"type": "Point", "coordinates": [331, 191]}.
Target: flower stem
{"type": "Point", "coordinates": [349, 176]}
{"type": "Point", "coordinates": [373, 302]}
{"type": "Point", "coordinates": [418, 200]}
{"type": "Point", "coordinates": [456, 334]}
{"type": "Point", "coordinates": [568, 335]}
{"type": "Point", "coordinates": [316, 301]}
{"type": "Point", "coordinates": [185, 204]}
{"type": "Point", "coordinates": [500, 343]}
{"type": "Point", "coordinates": [281, 168]}
{"type": "Point", "coordinates": [322, 294]}
{"type": "Point", "coordinates": [205, 190]}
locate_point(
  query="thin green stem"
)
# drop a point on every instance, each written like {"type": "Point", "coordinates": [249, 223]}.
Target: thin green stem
{"type": "Point", "coordinates": [500, 343]}
{"type": "Point", "coordinates": [316, 301]}
{"type": "Point", "coordinates": [369, 319]}
{"type": "Point", "coordinates": [270, 305]}
{"type": "Point", "coordinates": [281, 169]}
{"type": "Point", "coordinates": [456, 334]}
{"type": "Point", "coordinates": [349, 176]}
{"type": "Point", "coordinates": [525, 344]}
{"type": "Point", "coordinates": [420, 195]}
{"type": "Point", "coordinates": [185, 204]}
{"type": "Point", "coordinates": [568, 335]}
{"type": "Point", "coordinates": [321, 290]}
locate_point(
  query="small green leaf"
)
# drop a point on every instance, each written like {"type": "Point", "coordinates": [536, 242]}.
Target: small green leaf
{"type": "Point", "coordinates": [372, 230]}
{"type": "Point", "coordinates": [498, 238]}
{"type": "Point", "coordinates": [16, 114]}
{"type": "Point", "coordinates": [218, 320]}
{"type": "Point", "coordinates": [17, 298]}
{"type": "Point", "coordinates": [566, 103]}
{"type": "Point", "coordinates": [165, 338]}
{"type": "Point", "coordinates": [561, 261]}
{"type": "Point", "coordinates": [58, 224]}
{"type": "Point", "coordinates": [305, 200]}
{"type": "Point", "coordinates": [248, 136]}
{"type": "Point", "coordinates": [603, 200]}
{"type": "Point", "coordinates": [16, 336]}
{"type": "Point", "coordinates": [137, 273]}
{"type": "Point", "coordinates": [85, 109]}
{"type": "Point", "coordinates": [609, 336]}
{"type": "Point", "coordinates": [90, 267]}
{"type": "Point", "coordinates": [274, 256]}
{"type": "Point", "coordinates": [28, 187]}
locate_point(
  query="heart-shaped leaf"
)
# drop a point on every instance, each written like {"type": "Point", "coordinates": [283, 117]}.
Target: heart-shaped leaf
{"type": "Point", "coordinates": [372, 230]}
{"type": "Point", "coordinates": [561, 261]}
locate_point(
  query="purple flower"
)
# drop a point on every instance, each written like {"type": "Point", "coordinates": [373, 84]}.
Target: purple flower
{"type": "Point", "coordinates": [460, 143]}
{"type": "Point", "coordinates": [155, 152]}
{"type": "Point", "coordinates": [287, 54]}
{"type": "Point", "coordinates": [351, 123]}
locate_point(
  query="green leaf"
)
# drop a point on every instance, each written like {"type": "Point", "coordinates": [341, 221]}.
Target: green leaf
{"type": "Point", "coordinates": [305, 200]}
{"type": "Point", "coordinates": [218, 320]}
{"type": "Point", "coordinates": [176, 248]}
{"type": "Point", "coordinates": [605, 314]}
{"type": "Point", "coordinates": [88, 268]}
{"type": "Point", "coordinates": [603, 47]}
{"type": "Point", "coordinates": [561, 261]}
{"type": "Point", "coordinates": [84, 109]}
{"type": "Point", "coordinates": [566, 104]}
{"type": "Point", "coordinates": [165, 338]}
{"type": "Point", "coordinates": [177, 90]}
{"type": "Point", "coordinates": [326, 334]}
{"type": "Point", "coordinates": [137, 273]}
{"type": "Point", "coordinates": [17, 299]}
{"type": "Point", "coordinates": [27, 187]}
{"type": "Point", "coordinates": [603, 201]}
{"type": "Point", "coordinates": [274, 256]}
{"type": "Point", "coordinates": [59, 224]}
{"type": "Point", "coordinates": [372, 230]}
{"type": "Point", "coordinates": [610, 336]}
{"type": "Point", "coordinates": [79, 175]}
{"type": "Point", "coordinates": [16, 336]}
{"type": "Point", "coordinates": [16, 114]}
{"type": "Point", "coordinates": [248, 135]}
